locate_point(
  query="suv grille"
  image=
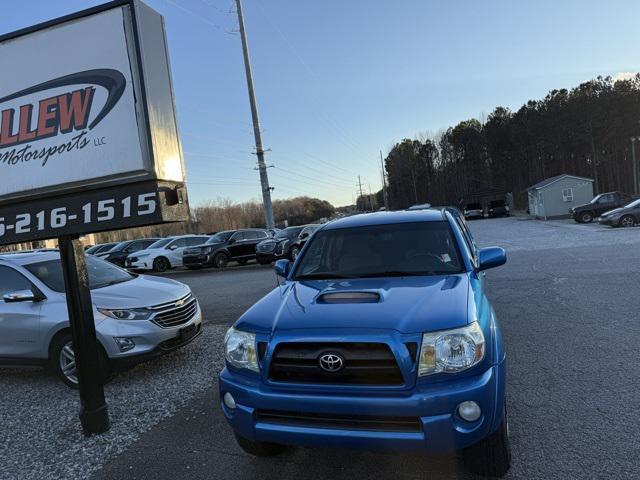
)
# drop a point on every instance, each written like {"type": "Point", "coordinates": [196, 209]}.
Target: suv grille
{"type": "Point", "coordinates": [175, 313]}
{"type": "Point", "coordinates": [192, 251]}
{"type": "Point", "coordinates": [342, 422]}
{"type": "Point", "coordinates": [364, 364]}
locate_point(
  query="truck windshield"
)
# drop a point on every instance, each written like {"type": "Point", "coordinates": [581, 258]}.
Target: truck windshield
{"type": "Point", "coordinates": [403, 249]}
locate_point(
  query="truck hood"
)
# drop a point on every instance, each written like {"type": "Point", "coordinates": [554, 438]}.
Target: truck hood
{"type": "Point", "coordinates": [143, 291]}
{"type": "Point", "coordinates": [407, 305]}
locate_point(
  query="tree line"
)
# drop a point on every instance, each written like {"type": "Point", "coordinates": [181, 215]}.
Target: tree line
{"type": "Point", "coordinates": [584, 131]}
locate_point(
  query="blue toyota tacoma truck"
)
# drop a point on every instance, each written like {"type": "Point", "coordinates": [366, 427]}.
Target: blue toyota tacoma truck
{"type": "Point", "coordinates": [381, 336]}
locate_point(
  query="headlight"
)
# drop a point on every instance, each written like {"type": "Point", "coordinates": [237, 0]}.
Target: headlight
{"type": "Point", "coordinates": [240, 349]}
{"type": "Point", "coordinates": [142, 255]}
{"type": "Point", "coordinates": [207, 250]}
{"type": "Point", "coordinates": [130, 314]}
{"type": "Point", "coordinates": [451, 351]}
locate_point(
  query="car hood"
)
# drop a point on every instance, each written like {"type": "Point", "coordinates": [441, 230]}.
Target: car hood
{"type": "Point", "coordinates": [142, 291]}
{"type": "Point", "coordinates": [613, 212]}
{"type": "Point", "coordinates": [149, 251]}
{"type": "Point", "coordinates": [407, 305]}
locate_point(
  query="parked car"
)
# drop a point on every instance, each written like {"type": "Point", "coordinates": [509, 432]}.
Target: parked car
{"type": "Point", "coordinates": [473, 210]}
{"type": "Point", "coordinates": [278, 246]}
{"type": "Point", "coordinates": [100, 248]}
{"type": "Point", "coordinates": [380, 337]}
{"type": "Point", "coordinates": [498, 208]}
{"type": "Point", "coordinates": [118, 254]}
{"type": "Point", "coordinates": [219, 250]}
{"type": "Point", "coordinates": [299, 243]}
{"type": "Point", "coordinates": [627, 216]}
{"type": "Point", "coordinates": [163, 254]}
{"type": "Point", "coordinates": [600, 204]}
{"type": "Point", "coordinates": [136, 317]}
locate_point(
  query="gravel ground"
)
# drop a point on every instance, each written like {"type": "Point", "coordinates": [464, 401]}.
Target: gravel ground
{"type": "Point", "coordinates": [40, 429]}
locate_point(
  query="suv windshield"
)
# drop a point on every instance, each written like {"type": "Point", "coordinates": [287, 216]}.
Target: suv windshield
{"type": "Point", "coordinates": [101, 273]}
{"type": "Point", "coordinates": [425, 248]}
{"type": "Point", "coordinates": [220, 237]}
{"type": "Point", "coordinates": [290, 232]}
{"type": "Point", "coordinates": [160, 243]}
{"type": "Point", "coordinates": [635, 203]}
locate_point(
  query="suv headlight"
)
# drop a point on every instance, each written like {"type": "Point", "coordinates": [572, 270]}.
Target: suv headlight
{"type": "Point", "coordinates": [207, 250]}
{"type": "Point", "coordinates": [451, 351]}
{"type": "Point", "coordinates": [240, 349]}
{"type": "Point", "coordinates": [130, 314]}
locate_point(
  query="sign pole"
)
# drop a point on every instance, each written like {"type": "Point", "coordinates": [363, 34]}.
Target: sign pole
{"type": "Point", "coordinates": [94, 415]}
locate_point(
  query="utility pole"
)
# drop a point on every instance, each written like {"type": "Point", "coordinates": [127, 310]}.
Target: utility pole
{"type": "Point", "coordinates": [635, 164]}
{"type": "Point", "coordinates": [360, 190]}
{"type": "Point", "coordinates": [370, 198]}
{"type": "Point", "coordinates": [262, 167]}
{"type": "Point", "coordinates": [385, 193]}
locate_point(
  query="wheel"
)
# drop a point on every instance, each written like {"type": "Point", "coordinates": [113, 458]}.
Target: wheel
{"type": "Point", "coordinates": [491, 457]}
{"type": "Point", "coordinates": [161, 264]}
{"type": "Point", "coordinates": [293, 253]}
{"type": "Point", "coordinates": [243, 261]}
{"type": "Point", "coordinates": [62, 361]}
{"type": "Point", "coordinates": [627, 221]}
{"type": "Point", "coordinates": [220, 260]}
{"type": "Point", "coordinates": [586, 217]}
{"type": "Point", "coordinates": [259, 449]}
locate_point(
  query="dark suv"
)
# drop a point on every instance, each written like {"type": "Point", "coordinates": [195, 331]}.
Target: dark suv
{"type": "Point", "coordinates": [305, 235]}
{"type": "Point", "coordinates": [498, 208]}
{"type": "Point", "coordinates": [600, 204]}
{"type": "Point", "coordinates": [278, 246]}
{"type": "Point", "coordinates": [118, 254]}
{"type": "Point", "coordinates": [223, 247]}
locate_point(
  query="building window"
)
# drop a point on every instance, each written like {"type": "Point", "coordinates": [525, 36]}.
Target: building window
{"type": "Point", "coordinates": [567, 194]}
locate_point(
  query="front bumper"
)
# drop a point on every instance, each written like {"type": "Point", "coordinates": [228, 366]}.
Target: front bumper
{"type": "Point", "coordinates": [200, 260]}
{"type": "Point", "coordinates": [434, 405]}
{"type": "Point", "coordinates": [145, 263]}
{"type": "Point", "coordinates": [609, 221]}
{"type": "Point", "coordinates": [150, 339]}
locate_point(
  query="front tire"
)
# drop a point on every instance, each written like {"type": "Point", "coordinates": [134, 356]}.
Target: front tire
{"type": "Point", "coordinates": [62, 361]}
{"type": "Point", "coordinates": [491, 457]}
{"type": "Point", "coordinates": [220, 260]}
{"type": "Point", "coordinates": [586, 217]}
{"type": "Point", "coordinates": [259, 449]}
{"type": "Point", "coordinates": [161, 264]}
{"type": "Point", "coordinates": [627, 221]}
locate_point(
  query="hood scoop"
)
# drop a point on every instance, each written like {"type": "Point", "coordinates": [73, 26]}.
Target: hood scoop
{"type": "Point", "coordinates": [349, 297]}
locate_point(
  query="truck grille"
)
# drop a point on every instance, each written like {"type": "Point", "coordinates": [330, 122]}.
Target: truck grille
{"type": "Point", "coordinates": [175, 313]}
{"type": "Point", "coordinates": [364, 364]}
{"type": "Point", "coordinates": [341, 422]}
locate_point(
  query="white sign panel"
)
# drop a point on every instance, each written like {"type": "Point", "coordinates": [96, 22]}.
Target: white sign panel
{"type": "Point", "coordinates": [68, 112]}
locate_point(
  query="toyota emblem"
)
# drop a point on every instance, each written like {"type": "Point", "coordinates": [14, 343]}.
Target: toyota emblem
{"type": "Point", "coordinates": [331, 362]}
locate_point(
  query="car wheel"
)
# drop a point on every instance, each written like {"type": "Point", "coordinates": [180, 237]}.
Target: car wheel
{"type": "Point", "coordinates": [586, 217]}
{"type": "Point", "coordinates": [220, 260]}
{"type": "Point", "coordinates": [627, 221]}
{"type": "Point", "coordinates": [243, 261]}
{"type": "Point", "coordinates": [161, 264]}
{"type": "Point", "coordinates": [491, 457]}
{"type": "Point", "coordinates": [259, 449]}
{"type": "Point", "coordinates": [62, 360]}
{"type": "Point", "coordinates": [293, 253]}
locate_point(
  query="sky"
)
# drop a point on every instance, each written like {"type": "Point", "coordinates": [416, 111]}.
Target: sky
{"type": "Point", "coordinates": [338, 81]}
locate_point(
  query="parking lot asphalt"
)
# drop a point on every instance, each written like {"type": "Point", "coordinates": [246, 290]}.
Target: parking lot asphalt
{"type": "Point", "coordinates": [568, 303]}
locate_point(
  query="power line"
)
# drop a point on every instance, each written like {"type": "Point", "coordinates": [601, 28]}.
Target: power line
{"type": "Point", "coordinates": [193, 14]}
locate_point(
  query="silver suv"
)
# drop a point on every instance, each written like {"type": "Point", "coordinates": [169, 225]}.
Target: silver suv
{"type": "Point", "coordinates": [137, 317]}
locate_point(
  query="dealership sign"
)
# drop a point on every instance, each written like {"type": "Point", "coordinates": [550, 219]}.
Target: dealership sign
{"type": "Point", "coordinates": [87, 123]}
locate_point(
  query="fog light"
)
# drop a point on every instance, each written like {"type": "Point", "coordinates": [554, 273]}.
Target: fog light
{"type": "Point", "coordinates": [229, 401]}
{"type": "Point", "coordinates": [469, 411]}
{"type": "Point", "coordinates": [124, 344]}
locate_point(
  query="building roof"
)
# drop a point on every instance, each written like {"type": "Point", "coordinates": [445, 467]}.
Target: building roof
{"type": "Point", "coordinates": [549, 181]}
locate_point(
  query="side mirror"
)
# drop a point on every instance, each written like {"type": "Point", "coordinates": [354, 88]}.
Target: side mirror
{"type": "Point", "coordinates": [491, 257]}
{"type": "Point", "coordinates": [232, 241]}
{"type": "Point", "coordinates": [172, 247]}
{"type": "Point", "coordinates": [282, 268]}
{"type": "Point", "coordinates": [304, 235]}
{"type": "Point", "coordinates": [20, 296]}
